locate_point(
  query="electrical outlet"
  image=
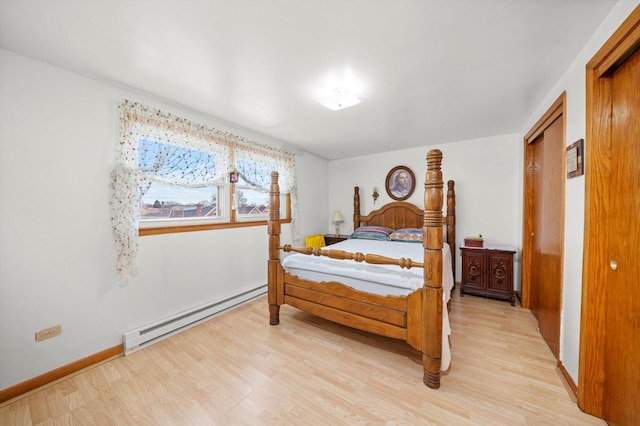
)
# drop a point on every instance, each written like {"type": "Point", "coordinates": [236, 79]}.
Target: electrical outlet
{"type": "Point", "coordinates": [48, 333]}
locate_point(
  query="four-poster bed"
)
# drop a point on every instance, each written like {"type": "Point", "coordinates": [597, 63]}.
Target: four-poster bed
{"type": "Point", "coordinates": [415, 313]}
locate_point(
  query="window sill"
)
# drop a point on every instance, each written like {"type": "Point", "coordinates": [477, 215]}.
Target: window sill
{"type": "Point", "coordinates": [204, 227]}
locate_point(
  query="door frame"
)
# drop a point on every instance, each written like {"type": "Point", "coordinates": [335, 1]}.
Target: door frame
{"type": "Point", "coordinates": [621, 44]}
{"type": "Point", "coordinates": [555, 111]}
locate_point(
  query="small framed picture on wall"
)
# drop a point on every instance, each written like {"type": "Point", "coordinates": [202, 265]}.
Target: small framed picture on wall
{"type": "Point", "coordinates": [575, 159]}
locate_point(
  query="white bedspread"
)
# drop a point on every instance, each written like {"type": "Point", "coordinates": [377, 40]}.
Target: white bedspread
{"type": "Point", "coordinates": [379, 279]}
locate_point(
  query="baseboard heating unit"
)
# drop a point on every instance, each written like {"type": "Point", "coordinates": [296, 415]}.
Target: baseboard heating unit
{"type": "Point", "coordinates": [138, 339]}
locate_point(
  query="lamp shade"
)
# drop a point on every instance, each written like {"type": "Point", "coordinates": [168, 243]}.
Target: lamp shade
{"type": "Point", "coordinates": [337, 217]}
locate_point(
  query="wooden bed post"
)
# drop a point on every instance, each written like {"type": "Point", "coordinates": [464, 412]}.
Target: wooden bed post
{"type": "Point", "coordinates": [451, 225]}
{"type": "Point", "coordinates": [273, 228]}
{"type": "Point", "coordinates": [432, 289]}
{"type": "Point", "coordinates": [356, 207]}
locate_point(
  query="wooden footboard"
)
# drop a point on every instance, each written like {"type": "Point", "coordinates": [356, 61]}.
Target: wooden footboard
{"type": "Point", "coordinates": [390, 316]}
{"type": "Point", "coordinates": [416, 318]}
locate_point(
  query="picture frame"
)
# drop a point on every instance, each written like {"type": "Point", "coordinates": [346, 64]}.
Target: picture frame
{"type": "Point", "coordinates": [575, 159]}
{"type": "Point", "coordinates": [400, 183]}
{"type": "Point", "coordinates": [233, 177]}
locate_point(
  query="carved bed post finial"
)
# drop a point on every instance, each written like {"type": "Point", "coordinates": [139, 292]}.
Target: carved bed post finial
{"type": "Point", "coordinates": [273, 228]}
{"type": "Point", "coordinates": [432, 289]}
{"type": "Point", "coordinates": [356, 207]}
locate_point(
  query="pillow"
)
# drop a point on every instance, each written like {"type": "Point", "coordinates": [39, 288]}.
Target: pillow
{"type": "Point", "coordinates": [371, 233]}
{"type": "Point", "coordinates": [314, 241]}
{"type": "Point", "coordinates": [407, 235]}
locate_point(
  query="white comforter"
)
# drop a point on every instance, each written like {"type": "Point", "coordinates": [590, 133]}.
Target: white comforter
{"type": "Point", "coordinates": [378, 279]}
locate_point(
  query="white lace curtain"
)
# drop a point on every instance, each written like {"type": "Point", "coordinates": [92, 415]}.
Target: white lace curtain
{"type": "Point", "coordinates": [160, 147]}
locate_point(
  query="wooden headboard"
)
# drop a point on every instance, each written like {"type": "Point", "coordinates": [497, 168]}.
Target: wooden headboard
{"type": "Point", "coordinates": [400, 214]}
{"type": "Point", "coordinates": [395, 215]}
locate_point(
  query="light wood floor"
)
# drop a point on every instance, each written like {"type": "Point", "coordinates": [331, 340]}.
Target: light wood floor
{"type": "Point", "coordinates": [237, 370]}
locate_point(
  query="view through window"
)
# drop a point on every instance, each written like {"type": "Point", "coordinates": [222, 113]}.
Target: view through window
{"type": "Point", "coordinates": [183, 186]}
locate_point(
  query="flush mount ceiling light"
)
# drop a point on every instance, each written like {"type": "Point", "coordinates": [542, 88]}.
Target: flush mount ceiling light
{"type": "Point", "coordinates": [339, 99]}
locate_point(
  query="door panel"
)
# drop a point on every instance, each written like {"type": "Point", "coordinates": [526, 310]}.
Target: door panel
{"type": "Point", "coordinates": [622, 341]}
{"type": "Point", "coordinates": [609, 348]}
{"type": "Point", "coordinates": [500, 272]}
{"type": "Point", "coordinates": [548, 232]}
{"type": "Point", "coordinates": [474, 271]}
{"type": "Point", "coordinates": [552, 236]}
{"type": "Point", "coordinates": [537, 212]}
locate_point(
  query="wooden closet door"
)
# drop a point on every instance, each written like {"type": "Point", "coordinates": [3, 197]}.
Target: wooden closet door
{"type": "Point", "coordinates": [622, 339]}
{"type": "Point", "coordinates": [609, 370]}
{"type": "Point", "coordinates": [548, 234]}
{"type": "Point", "coordinates": [536, 184]}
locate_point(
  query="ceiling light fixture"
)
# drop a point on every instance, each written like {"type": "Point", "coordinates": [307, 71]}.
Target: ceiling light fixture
{"type": "Point", "coordinates": [339, 99]}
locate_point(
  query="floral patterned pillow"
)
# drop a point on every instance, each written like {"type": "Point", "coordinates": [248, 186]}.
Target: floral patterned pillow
{"type": "Point", "coordinates": [407, 235]}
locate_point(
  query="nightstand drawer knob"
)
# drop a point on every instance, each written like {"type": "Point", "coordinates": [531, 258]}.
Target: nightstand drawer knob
{"type": "Point", "coordinates": [614, 265]}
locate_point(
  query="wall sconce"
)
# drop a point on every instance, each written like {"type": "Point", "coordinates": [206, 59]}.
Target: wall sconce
{"type": "Point", "coordinates": [337, 219]}
{"type": "Point", "coordinates": [375, 194]}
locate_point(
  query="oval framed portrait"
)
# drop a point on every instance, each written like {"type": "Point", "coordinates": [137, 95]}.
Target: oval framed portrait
{"type": "Point", "coordinates": [400, 183]}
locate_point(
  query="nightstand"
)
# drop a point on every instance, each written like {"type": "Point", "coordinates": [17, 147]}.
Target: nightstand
{"type": "Point", "coordinates": [488, 272]}
{"type": "Point", "coordinates": [333, 238]}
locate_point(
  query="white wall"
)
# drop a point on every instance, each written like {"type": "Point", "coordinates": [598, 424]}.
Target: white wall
{"type": "Point", "coordinates": [313, 195]}
{"type": "Point", "coordinates": [57, 257]}
{"type": "Point", "coordinates": [488, 185]}
{"type": "Point", "coordinates": [573, 81]}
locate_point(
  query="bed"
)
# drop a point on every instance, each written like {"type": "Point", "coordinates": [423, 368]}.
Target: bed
{"type": "Point", "coordinates": [409, 303]}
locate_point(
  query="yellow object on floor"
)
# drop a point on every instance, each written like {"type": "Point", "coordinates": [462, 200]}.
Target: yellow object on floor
{"type": "Point", "coordinates": [314, 241]}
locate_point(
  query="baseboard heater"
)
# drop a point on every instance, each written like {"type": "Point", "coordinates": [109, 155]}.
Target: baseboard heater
{"type": "Point", "coordinates": [138, 339]}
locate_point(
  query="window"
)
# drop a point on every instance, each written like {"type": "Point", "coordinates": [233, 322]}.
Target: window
{"type": "Point", "coordinates": [166, 202]}
{"type": "Point", "coordinates": [173, 175]}
{"type": "Point", "coordinates": [251, 199]}
{"type": "Point", "coordinates": [184, 188]}
{"type": "Point", "coordinates": [181, 187]}
{"type": "Point", "coordinates": [250, 202]}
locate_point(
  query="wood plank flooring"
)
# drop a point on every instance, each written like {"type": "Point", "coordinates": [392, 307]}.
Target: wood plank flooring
{"type": "Point", "coordinates": [236, 369]}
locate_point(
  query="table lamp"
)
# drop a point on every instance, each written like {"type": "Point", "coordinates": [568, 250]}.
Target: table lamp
{"type": "Point", "coordinates": [337, 219]}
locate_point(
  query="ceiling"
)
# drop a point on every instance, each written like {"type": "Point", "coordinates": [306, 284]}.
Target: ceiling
{"type": "Point", "coordinates": [427, 71]}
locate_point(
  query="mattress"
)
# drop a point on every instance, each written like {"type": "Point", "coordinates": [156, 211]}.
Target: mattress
{"type": "Point", "coordinates": [378, 279]}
